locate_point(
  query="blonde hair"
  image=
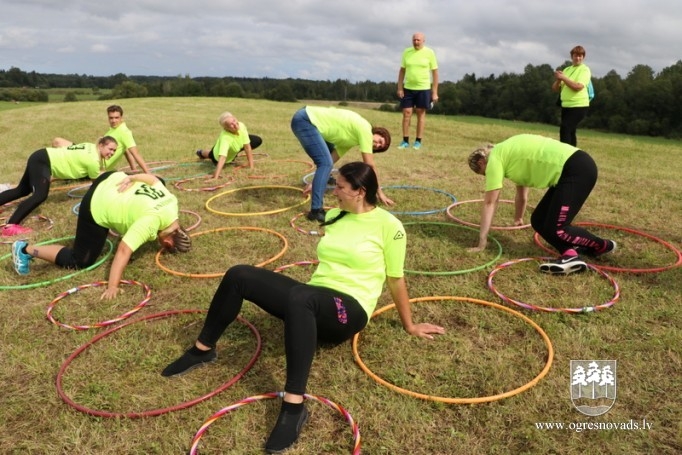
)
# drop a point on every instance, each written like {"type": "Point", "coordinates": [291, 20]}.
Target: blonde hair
{"type": "Point", "coordinates": [477, 155]}
{"type": "Point", "coordinates": [223, 117]}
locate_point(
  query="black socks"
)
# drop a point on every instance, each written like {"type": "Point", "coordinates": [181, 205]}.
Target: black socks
{"type": "Point", "coordinates": [191, 359]}
{"type": "Point", "coordinates": [292, 417]}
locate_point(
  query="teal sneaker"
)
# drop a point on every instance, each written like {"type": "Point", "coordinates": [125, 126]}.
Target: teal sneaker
{"type": "Point", "coordinates": [21, 260]}
{"type": "Point", "coordinates": [417, 145]}
{"type": "Point", "coordinates": [403, 145]}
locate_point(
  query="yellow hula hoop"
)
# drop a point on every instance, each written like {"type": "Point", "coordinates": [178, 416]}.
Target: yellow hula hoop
{"type": "Point", "coordinates": [157, 258]}
{"type": "Point", "coordinates": [269, 212]}
{"type": "Point", "coordinates": [477, 400]}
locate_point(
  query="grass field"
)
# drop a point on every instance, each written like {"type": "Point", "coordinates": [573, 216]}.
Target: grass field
{"type": "Point", "coordinates": [485, 352]}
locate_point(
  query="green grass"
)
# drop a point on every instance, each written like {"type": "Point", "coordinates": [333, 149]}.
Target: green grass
{"type": "Point", "coordinates": [484, 352]}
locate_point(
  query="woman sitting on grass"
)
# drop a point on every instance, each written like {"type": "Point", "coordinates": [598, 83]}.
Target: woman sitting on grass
{"type": "Point", "coordinates": [364, 246]}
{"type": "Point", "coordinates": [73, 162]}
{"type": "Point", "coordinates": [138, 206]}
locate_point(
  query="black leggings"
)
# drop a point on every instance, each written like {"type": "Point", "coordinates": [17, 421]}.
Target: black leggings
{"type": "Point", "coordinates": [256, 141]}
{"type": "Point", "coordinates": [561, 203]}
{"type": "Point", "coordinates": [570, 118]}
{"type": "Point", "coordinates": [310, 314]}
{"type": "Point", "coordinates": [90, 236]}
{"type": "Point", "coordinates": [36, 180]}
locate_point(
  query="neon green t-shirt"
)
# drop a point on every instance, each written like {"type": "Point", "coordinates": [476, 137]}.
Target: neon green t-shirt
{"type": "Point", "coordinates": [358, 252]}
{"type": "Point", "coordinates": [74, 162]}
{"type": "Point", "coordinates": [343, 128]}
{"type": "Point", "coordinates": [571, 98]}
{"type": "Point", "coordinates": [418, 65]}
{"type": "Point", "coordinates": [527, 160]}
{"type": "Point", "coordinates": [138, 213]}
{"type": "Point", "coordinates": [125, 140]}
{"type": "Point", "coordinates": [229, 144]}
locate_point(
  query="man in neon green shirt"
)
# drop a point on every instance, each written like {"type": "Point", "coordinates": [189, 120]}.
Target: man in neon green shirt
{"type": "Point", "coordinates": [417, 87]}
{"type": "Point", "coordinates": [126, 142]}
{"type": "Point", "coordinates": [568, 173]}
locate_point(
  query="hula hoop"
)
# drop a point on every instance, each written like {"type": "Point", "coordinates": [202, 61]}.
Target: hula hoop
{"type": "Point", "coordinates": [68, 186]}
{"type": "Point", "coordinates": [528, 306]}
{"type": "Point", "coordinates": [257, 156]}
{"type": "Point", "coordinates": [308, 178]}
{"type": "Point", "coordinates": [145, 289]}
{"type": "Point", "coordinates": [281, 268]}
{"type": "Point", "coordinates": [152, 412]}
{"type": "Point", "coordinates": [76, 208]}
{"type": "Point", "coordinates": [292, 223]}
{"type": "Point", "coordinates": [424, 212]}
{"type": "Point", "coordinates": [50, 225]}
{"type": "Point", "coordinates": [456, 272]}
{"type": "Point", "coordinates": [61, 278]}
{"type": "Point", "coordinates": [179, 184]}
{"type": "Point", "coordinates": [216, 275]}
{"type": "Point", "coordinates": [151, 165]}
{"type": "Point", "coordinates": [226, 410]}
{"type": "Point", "coordinates": [195, 214]}
{"type": "Point", "coordinates": [73, 192]}
{"type": "Point", "coordinates": [609, 268]}
{"type": "Point", "coordinates": [467, 223]}
{"type": "Point", "coordinates": [477, 400]}
{"type": "Point", "coordinates": [269, 212]}
{"type": "Point", "coordinates": [308, 164]}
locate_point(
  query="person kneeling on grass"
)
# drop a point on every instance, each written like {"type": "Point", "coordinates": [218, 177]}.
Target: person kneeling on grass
{"type": "Point", "coordinates": [74, 162]}
{"type": "Point", "coordinates": [138, 206]}
{"type": "Point", "coordinates": [535, 161]}
{"type": "Point", "coordinates": [363, 246]}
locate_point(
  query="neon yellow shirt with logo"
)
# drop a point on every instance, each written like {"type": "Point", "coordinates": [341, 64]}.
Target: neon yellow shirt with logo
{"type": "Point", "coordinates": [418, 65]}
{"type": "Point", "coordinates": [125, 140]}
{"type": "Point", "coordinates": [229, 144]}
{"type": "Point", "coordinates": [343, 128]}
{"type": "Point", "coordinates": [74, 162]}
{"type": "Point", "coordinates": [138, 213]}
{"type": "Point", "coordinates": [358, 252]}
{"type": "Point", "coordinates": [569, 97]}
{"type": "Point", "coordinates": [527, 160]}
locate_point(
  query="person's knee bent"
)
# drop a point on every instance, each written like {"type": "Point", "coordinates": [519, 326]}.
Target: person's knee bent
{"type": "Point", "coordinates": [67, 260]}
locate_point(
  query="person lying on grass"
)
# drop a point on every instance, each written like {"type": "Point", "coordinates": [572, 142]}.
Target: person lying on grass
{"type": "Point", "coordinates": [568, 173]}
{"type": "Point", "coordinates": [74, 162]}
{"type": "Point", "coordinates": [137, 206]}
{"type": "Point", "coordinates": [363, 247]}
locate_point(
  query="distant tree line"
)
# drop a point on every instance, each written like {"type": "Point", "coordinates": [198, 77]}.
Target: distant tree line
{"type": "Point", "coordinates": [642, 103]}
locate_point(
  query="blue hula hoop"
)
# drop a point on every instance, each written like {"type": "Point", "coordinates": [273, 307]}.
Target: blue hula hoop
{"type": "Point", "coordinates": [424, 212]}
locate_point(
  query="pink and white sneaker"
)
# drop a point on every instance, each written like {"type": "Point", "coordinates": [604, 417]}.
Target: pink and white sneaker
{"type": "Point", "coordinates": [10, 230]}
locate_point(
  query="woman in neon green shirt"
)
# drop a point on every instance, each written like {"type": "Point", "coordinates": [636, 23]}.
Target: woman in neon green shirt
{"type": "Point", "coordinates": [568, 173]}
{"type": "Point", "coordinates": [74, 162]}
{"type": "Point", "coordinates": [144, 210]}
{"type": "Point", "coordinates": [363, 247]}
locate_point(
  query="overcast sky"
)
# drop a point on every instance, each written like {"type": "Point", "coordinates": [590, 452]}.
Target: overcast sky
{"type": "Point", "coordinates": [332, 39]}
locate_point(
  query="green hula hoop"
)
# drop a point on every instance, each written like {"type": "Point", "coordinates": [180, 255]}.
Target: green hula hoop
{"type": "Point", "coordinates": [456, 272]}
{"type": "Point", "coordinates": [61, 278]}
{"type": "Point", "coordinates": [245, 188]}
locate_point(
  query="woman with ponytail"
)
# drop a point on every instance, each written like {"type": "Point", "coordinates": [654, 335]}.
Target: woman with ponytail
{"type": "Point", "coordinates": [363, 247]}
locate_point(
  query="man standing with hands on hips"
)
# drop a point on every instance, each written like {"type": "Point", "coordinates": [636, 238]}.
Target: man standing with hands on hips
{"type": "Point", "coordinates": [417, 87]}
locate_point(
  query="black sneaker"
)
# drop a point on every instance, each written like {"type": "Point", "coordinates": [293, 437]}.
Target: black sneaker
{"type": "Point", "coordinates": [331, 181]}
{"type": "Point", "coordinates": [316, 215]}
{"type": "Point", "coordinates": [286, 431]}
{"type": "Point", "coordinates": [200, 154]}
{"type": "Point", "coordinates": [565, 265]}
{"type": "Point", "coordinates": [189, 361]}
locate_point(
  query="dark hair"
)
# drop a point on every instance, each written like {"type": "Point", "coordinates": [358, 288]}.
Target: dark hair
{"type": "Point", "coordinates": [115, 108]}
{"type": "Point", "coordinates": [383, 132]}
{"type": "Point", "coordinates": [579, 50]}
{"type": "Point", "coordinates": [359, 175]}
